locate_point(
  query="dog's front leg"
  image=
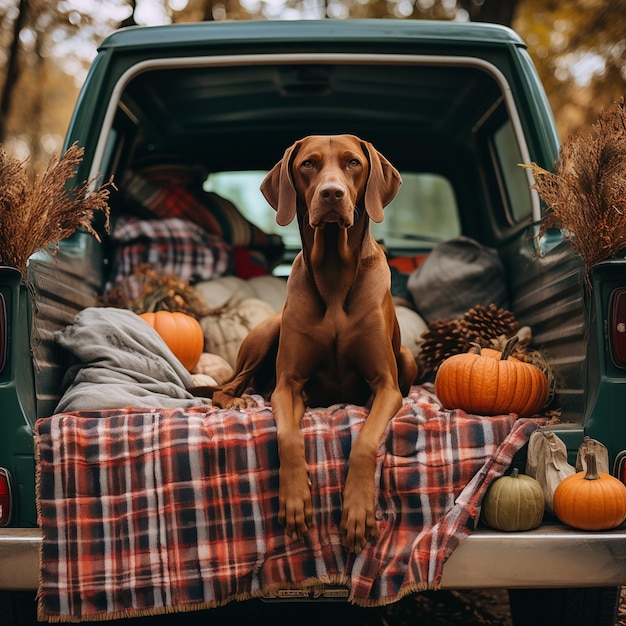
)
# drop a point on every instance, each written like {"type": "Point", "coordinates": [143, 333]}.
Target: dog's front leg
{"type": "Point", "coordinates": [294, 491]}
{"type": "Point", "coordinates": [358, 521]}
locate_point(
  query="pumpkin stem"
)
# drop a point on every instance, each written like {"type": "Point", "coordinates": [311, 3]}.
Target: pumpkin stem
{"type": "Point", "coordinates": [592, 467]}
{"type": "Point", "coordinates": [514, 473]}
{"type": "Point", "coordinates": [508, 348]}
{"type": "Point", "coordinates": [476, 349]}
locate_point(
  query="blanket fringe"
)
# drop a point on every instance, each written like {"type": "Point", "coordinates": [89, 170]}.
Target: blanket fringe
{"type": "Point", "coordinates": [267, 592]}
{"type": "Point", "coordinates": [41, 614]}
{"type": "Point", "coordinates": [407, 590]}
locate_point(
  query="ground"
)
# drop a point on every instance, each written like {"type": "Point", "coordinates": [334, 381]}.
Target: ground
{"type": "Point", "coordinates": [435, 608]}
{"type": "Point", "coordinates": [467, 608]}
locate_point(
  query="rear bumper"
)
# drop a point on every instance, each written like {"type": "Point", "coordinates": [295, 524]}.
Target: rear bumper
{"type": "Point", "coordinates": [19, 558]}
{"type": "Point", "coordinates": [550, 556]}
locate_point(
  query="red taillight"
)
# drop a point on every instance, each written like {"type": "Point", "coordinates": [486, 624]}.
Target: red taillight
{"type": "Point", "coordinates": [3, 332]}
{"type": "Point", "coordinates": [617, 327]}
{"type": "Point", "coordinates": [6, 497]}
{"type": "Point", "coordinates": [620, 466]}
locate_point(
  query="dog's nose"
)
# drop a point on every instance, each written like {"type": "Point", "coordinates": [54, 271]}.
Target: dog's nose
{"type": "Point", "coordinates": [332, 192]}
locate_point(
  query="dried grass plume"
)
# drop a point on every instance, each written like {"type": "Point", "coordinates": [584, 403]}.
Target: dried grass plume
{"type": "Point", "coordinates": [36, 215]}
{"type": "Point", "coordinates": [587, 192]}
{"type": "Point", "coordinates": [147, 290]}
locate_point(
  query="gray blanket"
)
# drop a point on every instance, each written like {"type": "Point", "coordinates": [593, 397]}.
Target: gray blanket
{"type": "Point", "coordinates": [121, 361]}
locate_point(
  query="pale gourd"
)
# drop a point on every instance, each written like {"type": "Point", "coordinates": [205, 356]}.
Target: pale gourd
{"type": "Point", "coordinates": [513, 503]}
{"type": "Point", "coordinates": [231, 290]}
{"type": "Point", "coordinates": [224, 329]}
{"type": "Point", "coordinates": [546, 462]}
{"type": "Point", "coordinates": [224, 291]}
{"type": "Point", "coordinates": [215, 366]}
{"type": "Point", "coordinates": [412, 325]}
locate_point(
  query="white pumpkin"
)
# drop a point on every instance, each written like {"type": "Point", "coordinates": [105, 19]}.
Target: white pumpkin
{"type": "Point", "coordinates": [215, 366]}
{"type": "Point", "coordinates": [224, 329]}
{"type": "Point", "coordinates": [203, 380]}
{"type": "Point", "coordinates": [271, 289]}
{"type": "Point", "coordinates": [230, 290]}
{"type": "Point", "coordinates": [223, 291]}
{"type": "Point", "coordinates": [411, 328]}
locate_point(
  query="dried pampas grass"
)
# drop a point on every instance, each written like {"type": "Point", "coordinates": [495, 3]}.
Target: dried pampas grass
{"type": "Point", "coordinates": [587, 192]}
{"type": "Point", "coordinates": [36, 215]}
{"type": "Point", "coordinates": [148, 291]}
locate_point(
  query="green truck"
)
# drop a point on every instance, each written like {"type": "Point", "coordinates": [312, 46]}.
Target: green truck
{"type": "Point", "coordinates": [456, 108]}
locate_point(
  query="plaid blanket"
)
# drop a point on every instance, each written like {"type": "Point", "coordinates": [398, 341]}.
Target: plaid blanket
{"type": "Point", "coordinates": [173, 245]}
{"type": "Point", "coordinates": [214, 213]}
{"type": "Point", "coordinates": [147, 511]}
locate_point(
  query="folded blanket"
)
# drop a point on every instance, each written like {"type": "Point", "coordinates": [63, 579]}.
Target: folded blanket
{"type": "Point", "coordinates": [172, 246]}
{"type": "Point", "coordinates": [120, 361]}
{"type": "Point", "coordinates": [161, 510]}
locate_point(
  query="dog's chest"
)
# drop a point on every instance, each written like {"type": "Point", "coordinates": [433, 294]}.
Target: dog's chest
{"type": "Point", "coordinates": [329, 386]}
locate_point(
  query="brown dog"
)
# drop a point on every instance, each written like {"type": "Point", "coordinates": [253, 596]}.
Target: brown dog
{"type": "Point", "coordinates": [337, 338]}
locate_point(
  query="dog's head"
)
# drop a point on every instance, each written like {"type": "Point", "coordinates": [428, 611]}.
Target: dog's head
{"type": "Point", "coordinates": [330, 175]}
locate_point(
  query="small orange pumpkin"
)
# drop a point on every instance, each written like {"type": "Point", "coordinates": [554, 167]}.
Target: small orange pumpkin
{"type": "Point", "coordinates": [181, 332]}
{"type": "Point", "coordinates": [488, 382]}
{"type": "Point", "coordinates": [590, 500]}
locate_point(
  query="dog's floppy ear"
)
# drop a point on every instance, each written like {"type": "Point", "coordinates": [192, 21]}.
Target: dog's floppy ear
{"type": "Point", "coordinates": [277, 188]}
{"type": "Point", "coordinates": [382, 185]}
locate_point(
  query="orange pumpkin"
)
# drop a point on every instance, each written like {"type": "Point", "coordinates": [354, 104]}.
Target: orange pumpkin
{"type": "Point", "coordinates": [181, 332]}
{"type": "Point", "coordinates": [488, 382]}
{"type": "Point", "coordinates": [590, 500]}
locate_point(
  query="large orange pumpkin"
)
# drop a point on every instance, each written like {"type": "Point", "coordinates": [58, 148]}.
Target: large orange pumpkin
{"type": "Point", "coordinates": [181, 332]}
{"type": "Point", "coordinates": [590, 500]}
{"type": "Point", "coordinates": [488, 382]}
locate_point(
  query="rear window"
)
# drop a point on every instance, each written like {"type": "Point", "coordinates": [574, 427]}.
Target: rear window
{"type": "Point", "coordinates": [423, 213]}
{"type": "Point", "coordinates": [514, 182]}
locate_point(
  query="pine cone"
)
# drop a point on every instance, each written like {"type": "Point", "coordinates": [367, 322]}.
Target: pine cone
{"type": "Point", "coordinates": [442, 339]}
{"type": "Point", "coordinates": [482, 324]}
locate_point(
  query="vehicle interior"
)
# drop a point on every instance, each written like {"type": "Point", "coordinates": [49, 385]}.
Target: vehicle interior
{"type": "Point", "coordinates": [452, 131]}
{"type": "Point", "coordinates": [236, 120]}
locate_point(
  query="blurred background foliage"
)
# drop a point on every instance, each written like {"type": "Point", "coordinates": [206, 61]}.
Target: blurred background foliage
{"type": "Point", "coordinates": [579, 47]}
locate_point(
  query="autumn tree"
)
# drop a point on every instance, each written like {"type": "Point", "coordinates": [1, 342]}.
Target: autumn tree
{"type": "Point", "coordinates": [12, 24]}
{"type": "Point", "coordinates": [580, 52]}
{"type": "Point", "coordinates": [40, 61]}
{"type": "Point", "coordinates": [577, 45]}
{"type": "Point", "coordinates": [492, 11]}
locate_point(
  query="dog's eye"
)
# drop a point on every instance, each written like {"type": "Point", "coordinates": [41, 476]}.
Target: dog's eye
{"type": "Point", "coordinates": [354, 163]}
{"type": "Point", "coordinates": [307, 165]}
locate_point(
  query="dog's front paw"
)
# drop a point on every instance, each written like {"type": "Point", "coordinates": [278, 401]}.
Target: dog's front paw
{"type": "Point", "coordinates": [358, 519]}
{"type": "Point", "coordinates": [357, 529]}
{"type": "Point", "coordinates": [226, 401]}
{"type": "Point", "coordinates": [295, 510]}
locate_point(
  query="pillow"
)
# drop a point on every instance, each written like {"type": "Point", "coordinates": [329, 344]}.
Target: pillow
{"type": "Point", "coordinates": [456, 276]}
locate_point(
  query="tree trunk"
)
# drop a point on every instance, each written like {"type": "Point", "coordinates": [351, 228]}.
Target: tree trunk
{"type": "Point", "coordinates": [493, 11]}
{"type": "Point", "coordinates": [130, 20]}
{"type": "Point", "coordinates": [12, 71]}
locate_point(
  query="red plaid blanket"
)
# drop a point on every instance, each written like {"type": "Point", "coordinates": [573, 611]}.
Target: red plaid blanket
{"type": "Point", "coordinates": [173, 245]}
{"type": "Point", "coordinates": [147, 511]}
